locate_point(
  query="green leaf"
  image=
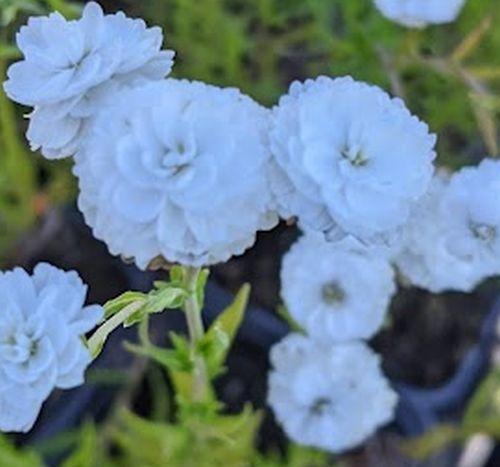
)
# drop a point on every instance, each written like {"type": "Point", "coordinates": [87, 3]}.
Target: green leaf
{"type": "Point", "coordinates": [9, 9]}
{"type": "Point", "coordinates": [433, 441]}
{"type": "Point", "coordinates": [88, 452]}
{"type": "Point", "coordinates": [217, 341]}
{"type": "Point", "coordinates": [168, 297]}
{"type": "Point", "coordinates": [168, 358]}
{"type": "Point", "coordinates": [484, 405]}
{"type": "Point", "coordinates": [177, 274]}
{"type": "Point", "coordinates": [283, 312]}
{"type": "Point", "coordinates": [136, 318]}
{"type": "Point", "coordinates": [9, 52]}
{"type": "Point", "coordinates": [69, 10]}
{"type": "Point", "coordinates": [200, 287]}
{"type": "Point", "coordinates": [142, 442]}
{"type": "Point", "coordinates": [181, 345]}
{"type": "Point", "coordinates": [117, 304]}
{"type": "Point", "coordinates": [165, 296]}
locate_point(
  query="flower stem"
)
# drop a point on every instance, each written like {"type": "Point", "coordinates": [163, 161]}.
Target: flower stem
{"type": "Point", "coordinates": [191, 306]}
{"type": "Point", "coordinates": [196, 332]}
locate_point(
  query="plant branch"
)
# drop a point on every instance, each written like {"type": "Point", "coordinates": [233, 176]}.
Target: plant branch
{"type": "Point", "coordinates": [196, 332]}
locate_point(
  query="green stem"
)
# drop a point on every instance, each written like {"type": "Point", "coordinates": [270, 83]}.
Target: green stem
{"type": "Point", "coordinates": [191, 306]}
{"type": "Point", "coordinates": [196, 332]}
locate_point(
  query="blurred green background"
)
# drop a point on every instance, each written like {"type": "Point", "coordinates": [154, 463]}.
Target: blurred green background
{"type": "Point", "coordinates": [448, 75]}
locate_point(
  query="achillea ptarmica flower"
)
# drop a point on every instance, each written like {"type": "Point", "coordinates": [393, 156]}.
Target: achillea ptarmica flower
{"type": "Point", "coordinates": [336, 291]}
{"type": "Point", "coordinates": [42, 320]}
{"type": "Point", "coordinates": [420, 13]}
{"type": "Point", "coordinates": [453, 239]}
{"type": "Point", "coordinates": [67, 62]}
{"type": "Point", "coordinates": [331, 397]}
{"type": "Point", "coordinates": [348, 159]}
{"type": "Point", "coordinates": [177, 169]}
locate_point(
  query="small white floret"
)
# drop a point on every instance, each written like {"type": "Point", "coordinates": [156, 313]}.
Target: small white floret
{"type": "Point", "coordinates": [336, 291]}
{"type": "Point", "coordinates": [331, 397]}
{"type": "Point", "coordinates": [420, 13]}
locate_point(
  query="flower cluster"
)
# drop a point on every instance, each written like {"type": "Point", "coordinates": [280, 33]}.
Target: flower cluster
{"type": "Point", "coordinates": [41, 324]}
{"type": "Point", "coordinates": [186, 172]}
{"type": "Point", "coordinates": [328, 396]}
{"type": "Point", "coordinates": [177, 169]}
{"type": "Point", "coordinates": [453, 239]}
{"type": "Point", "coordinates": [71, 67]}
{"type": "Point", "coordinates": [326, 387]}
{"type": "Point", "coordinates": [420, 13]}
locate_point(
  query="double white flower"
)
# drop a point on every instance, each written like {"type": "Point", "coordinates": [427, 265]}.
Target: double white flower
{"type": "Point", "coordinates": [177, 169]}
{"type": "Point", "coordinates": [71, 67]}
{"type": "Point", "coordinates": [453, 239]}
{"type": "Point", "coordinates": [336, 291]}
{"type": "Point", "coordinates": [331, 397]}
{"type": "Point", "coordinates": [348, 159]}
{"type": "Point", "coordinates": [42, 321]}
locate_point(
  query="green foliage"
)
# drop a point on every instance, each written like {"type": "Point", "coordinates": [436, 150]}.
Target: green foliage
{"type": "Point", "coordinates": [28, 184]}
{"type": "Point", "coordinates": [483, 412]}
{"type": "Point", "coordinates": [114, 306]}
{"type": "Point", "coordinates": [226, 440]}
{"type": "Point", "coordinates": [16, 199]}
{"type": "Point", "coordinates": [285, 315]}
{"type": "Point", "coordinates": [88, 452]}
{"type": "Point", "coordinates": [9, 9]}
{"type": "Point", "coordinates": [217, 341]}
{"type": "Point", "coordinates": [13, 457]}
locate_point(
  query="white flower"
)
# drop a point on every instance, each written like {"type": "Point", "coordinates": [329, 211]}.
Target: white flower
{"type": "Point", "coordinates": [335, 291]}
{"type": "Point", "coordinates": [348, 158]}
{"type": "Point", "coordinates": [66, 62]}
{"type": "Point", "coordinates": [330, 397]}
{"type": "Point", "coordinates": [453, 239]}
{"type": "Point", "coordinates": [42, 320]}
{"type": "Point", "coordinates": [420, 13]}
{"type": "Point", "coordinates": [179, 170]}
